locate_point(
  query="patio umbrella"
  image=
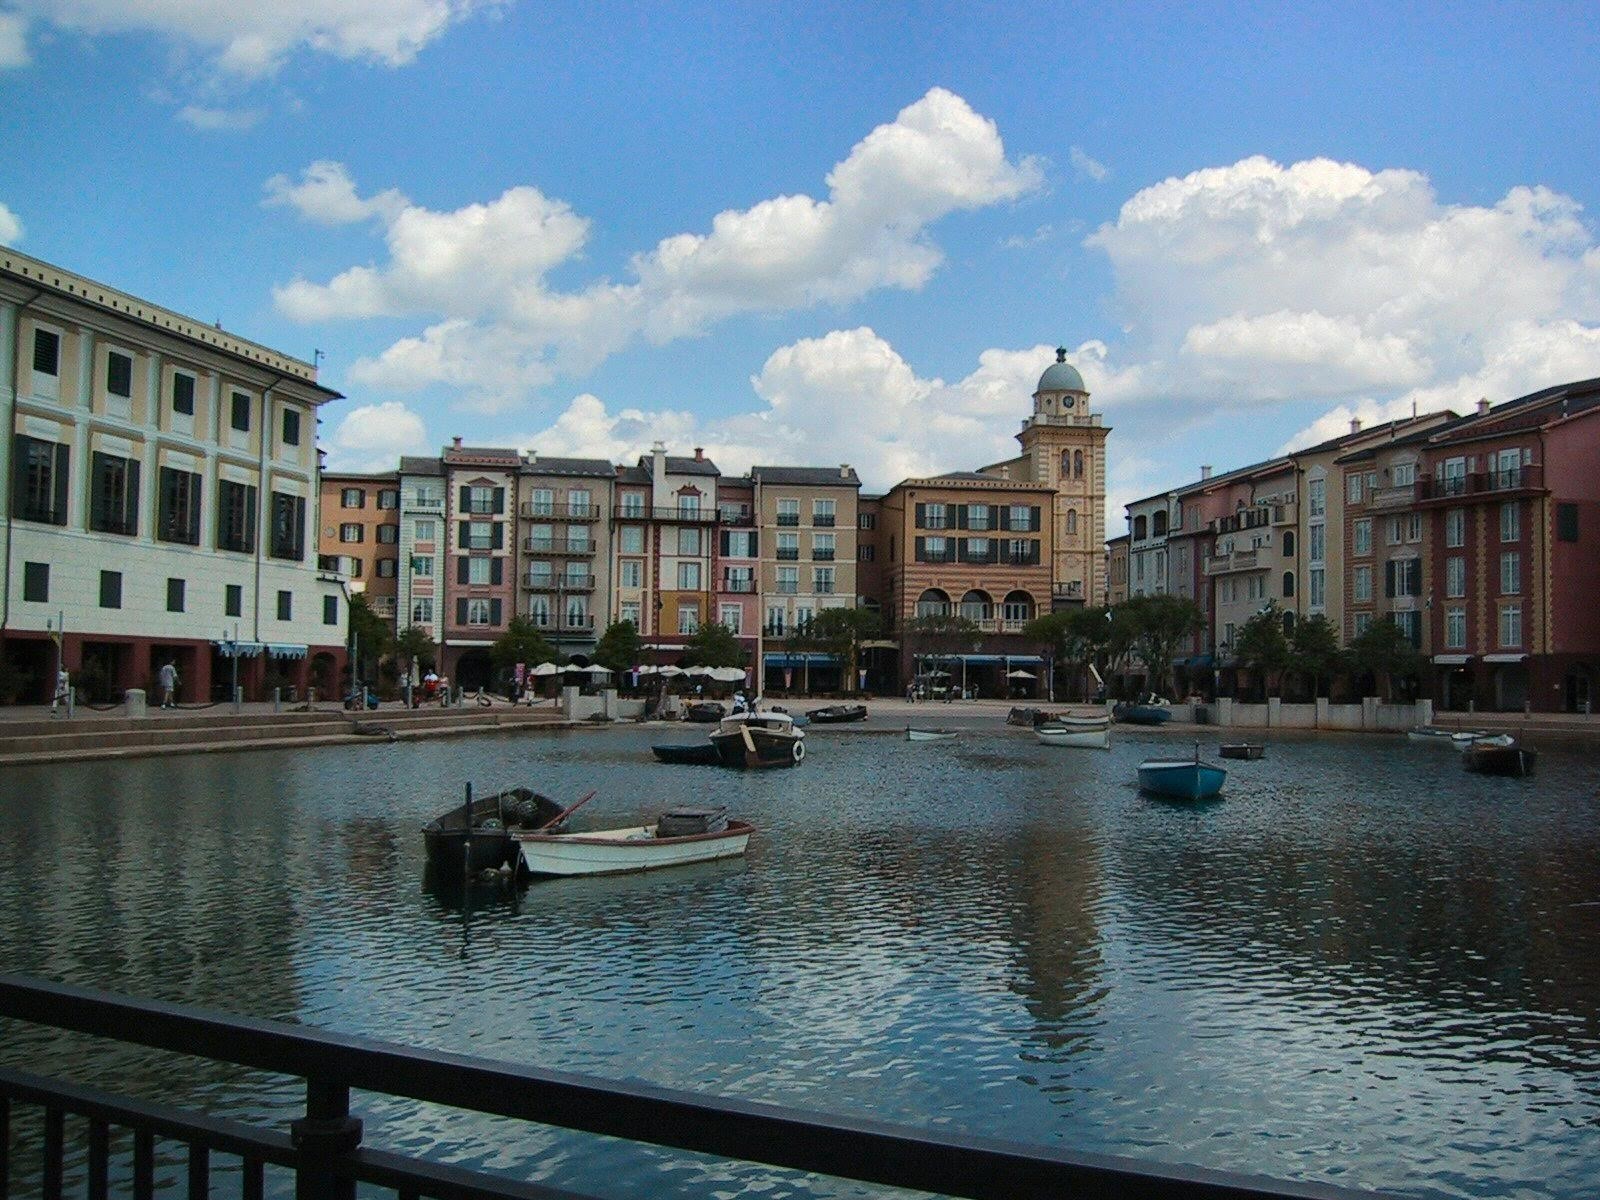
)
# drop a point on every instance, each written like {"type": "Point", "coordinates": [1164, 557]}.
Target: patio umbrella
{"type": "Point", "coordinates": [1019, 674]}
{"type": "Point", "coordinates": [697, 671]}
{"type": "Point", "coordinates": [728, 674]}
{"type": "Point", "coordinates": [596, 669]}
{"type": "Point", "coordinates": [546, 668]}
{"type": "Point", "coordinates": [647, 669]}
{"type": "Point", "coordinates": [671, 671]}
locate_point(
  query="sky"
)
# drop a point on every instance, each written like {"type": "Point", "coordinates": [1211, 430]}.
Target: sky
{"type": "Point", "coordinates": [827, 233]}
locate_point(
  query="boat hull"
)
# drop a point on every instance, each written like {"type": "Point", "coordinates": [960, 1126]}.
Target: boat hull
{"type": "Point", "coordinates": [698, 754]}
{"type": "Point", "coordinates": [756, 748]}
{"type": "Point", "coordinates": [1076, 737]}
{"type": "Point", "coordinates": [627, 851]}
{"type": "Point", "coordinates": [1515, 761]}
{"type": "Point", "coordinates": [928, 735]}
{"type": "Point", "coordinates": [1482, 741]}
{"type": "Point", "coordinates": [838, 714]}
{"type": "Point", "coordinates": [1181, 779]}
{"type": "Point", "coordinates": [1241, 750]}
{"type": "Point", "coordinates": [1144, 714]}
{"type": "Point", "coordinates": [457, 844]}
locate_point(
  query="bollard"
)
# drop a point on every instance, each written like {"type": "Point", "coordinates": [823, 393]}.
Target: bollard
{"type": "Point", "coordinates": [277, 705]}
{"type": "Point", "coordinates": [72, 701]}
{"type": "Point", "coordinates": [238, 697]}
{"type": "Point", "coordinates": [134, 699]}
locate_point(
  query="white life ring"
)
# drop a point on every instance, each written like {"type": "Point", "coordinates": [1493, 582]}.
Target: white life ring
{"type": "Point", "coordinates": [797, 751]}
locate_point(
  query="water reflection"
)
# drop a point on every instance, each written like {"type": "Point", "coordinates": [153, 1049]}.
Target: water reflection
{"type": "Point", "coordinates": [1361, 965]}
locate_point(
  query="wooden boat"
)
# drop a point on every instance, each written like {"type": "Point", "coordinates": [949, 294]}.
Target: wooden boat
{"type": "Point", "coordinates": [1474, 740]}
{"type": "Point", "coordinates": [1249, 751]}
{"type": "Point", "coordinates": [1513, 760]}
{"type": "Point", "coordinates": [1030, 718]}
{"type": "Point", "coordinates": [1181, 778]}
{"type": "Point", "coordinates": [1432, 735]}
{"type": "Point", "coordinates": [1142, 714]}
{"type": "Point", "coordinates": [929, 735]}
{"type": "Point", "coordinates": [759, 739]}
{"type": "Point", "coordinates": [680, 836]}
{"type": "Point", "coordinates": [477, 835]}
{"type": "Point", "coordinates": [1087, 737]}
{"type": "Point", "coordinates": [706, 712]}
{"type": "Point", "coordinates": [835, 714]}
{"type": "Point", "coordinates": [698, 753]}
{"type": "Point", "coordinates": [1072, 721]}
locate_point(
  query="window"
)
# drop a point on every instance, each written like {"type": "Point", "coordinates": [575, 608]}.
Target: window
{"type": "Point", "coordinates": [233, 600]}
{"type": "Point", "coordinates": [1510, 573]}
{"type": "Point", "coordinates": [688, 577]}
{"type": "Point", "coordinates": [1410, 625]}
{"type": "Point", "coordinates": [788, 547]}
{"type": "Point", "coordinates": [1255, 587]}
{"type": "Point", "coordinates": [689, 541]}
{"type": "Point", "coordinates": [1455, 629]}
{"type": "Point", "coordinates": [388, 568]}
{"type": "Point", "coordinates": [632, 539]}
{"type": "Point", "coordinates": [739, 543]}
{"type": "Point", "coordinates": [579, 503]}
{"type": "Point", "coordinates": [388, 535]}
{"type": "Point", "coordinates": [330, 610]}
{"type": "Point", "coordinates": [486, 501]}
{"type": "Point", "coordinates": [977, 550]}
{"type": "Point", "coordinates": [788, 581]}
{"type": "Point", "coordinates": [1414, 527]}
{"type": "Point", "coordinates": [39, 481]}
{"type": "Point", "coordinates": [241, 412]}
{"type": "Point", "coordinates": [478, 535]}
{"type": "Point", "coordinates": [630, 613]}
{"type": "Point", "coordinates": [1022, 518]}
{"type": "Point", "coordinates": [1455, 576]}
{"type": "Point", "coordinates": [1288, 585]}
{"type": "Point", "coordinates": [823, 583]}
{"type": "Point", "coordinates": [1404, 474]}
{"type": "Point", "coordinates": [183, 394]}
{"type": "Point", "coordinates": [291, 427]}
{"type": "Point", "coordinates": [822, 547]}
{"type": "Point", "coordinates": [1402, 577]}
{"type": "Point", "coordinates": [175, 589]}
{"type": "Point", "coordinates": [1140, 524]}
{"type": "Point", "coordinates": [867, 521]}
{"type": "Point", "coordinates": [46, 352]}
{"type": "Point", "coordinates": [824, 512]}
{"type": "Point", "coordinates": [478, 612]}
{"type": "Point", "coordinates": [480, 571]}
{"type": "Point", "coordinates": [731, 618]}
{"type": "Point", "coordinates": [388, 498]}
{"type": "Point", "coordinates": [1566, 522]}
{"type": "Point", "coordinates": [353, 498]}
{"type": "Point", "coordinates": [788, 512]}
{"type": "Point", "coordinates": [179, 513]}
{"type": "Point", "coordinates": [689, 619]}
{"type": "Point", "coordinates": [866, 553]}
{"type": "Point", "coordinates": [1455, 527]}
{"type": "Point", "coordinates": [632, 504]}
{"type": "Point", "coordinates": [110, 589]}
{"type": "Point", "coordinates": [1319, 588]}
{"type": "Point", "coordinates": [802, 616]}
{"type": "Point", "coordinates": [738, 579]}
{"type": "Point", "coordinates": [422, 566]}
{"type": "Point", "coordinates": [1361, 584]}
{"type": "Point", "coordinates": [285, 606]}
{"type": "Point", "coordinates": [425, 531]}
{"type": "Point", "coordinates": [1361, 536]}
{"type": "Point", "coordinates": [1319, 543]}
{"type": "Point", "coordinates": [539, 611]}
{"type": "Point", "coordinates": [36, 580]}
{"type": "Point", "coordinates": [632, 573]}
{"type": "Point", "coordinates": [422, 610]}
{"type": "Point", "coordinates": [933, 549]}
{"type": "Point", "coordinates": [288, 526]}
{"type": "Point", "coordinates": [543, 503]}
{"type": "Point", "coordinates": [776, 616]}
{"type": "Point", "coordinates": [979, 516]}
{"type": "Point", "coordinates": [1396, 531]}
{"type": "Point", "coordinates": [688, 504]}
{"type": "Point", "coordinates": [1288, 540]}
{"type": "Point", "coordinates": [119, 375]}
{"type": "Point", "coordinates": [351, 533]}
{"type": "Point", "coordinates": [355, 567]}
{"type": "Point", "coordinates": [236, 516]}
{"type": "Point", "coordinates": [1360, 623]}
{"type": "Point", "coordinates": [1352, 489]}
{"type": "Point", "coordinates": [1510, 521]}
{"type": "Point", "coordinates": [1317, 490]}
{"type": "Point", "coordinates": [1511, 625]}
{"type": "Point", "coordinates": [114, 494]}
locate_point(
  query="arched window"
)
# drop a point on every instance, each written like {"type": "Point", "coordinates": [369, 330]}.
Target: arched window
{"type": "Point", "coordinates": [1066, 464]}
{"type": "Point", "coordinates": [1072, 522]}
{"type": "Point", "coordinates": [977, 606]}
{"type": "Point", "coordinates": [1158, 523]}
{"type": "Point", "coordinates": [1288, 624]}
{"type": "Point", "coordinates": [1288, 585]}
{"type": "Point", "coordinates": [1077, 464]}
{"type": "Point", "coordinates": [1018, 606]}
{"type": "Point", "coordinates": [1138, 529]}
{"type": "Point", "coordinates": [1288, 543]}
{"type": "Point", "coordinates": [933, 603]}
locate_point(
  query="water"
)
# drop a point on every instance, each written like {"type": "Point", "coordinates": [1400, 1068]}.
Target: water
{"type": "Point", "coordinates": [1362, 966]}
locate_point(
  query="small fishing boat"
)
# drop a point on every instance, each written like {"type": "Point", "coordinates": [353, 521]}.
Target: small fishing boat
{"type": "Point", "coordinates": [706, 712]}
{"type": "Point", "coordinates": [1249, 751]}
{"type": "Point", "coordinates": [759, 739]}
{"type": "Point", "coordinates": [476, 835]}
{"type": "Point", "coordinates": [1516, 761]}
{"type": "Point", "coordinates": [1181, 778]}
{"type": "Point", "coordinates": [697, 753]}
{"type": "Point", "coordinates": [929, 735]}
{"type": "Point", "coordinates": [1030, 718]}
{"type": "Point", "coordinates": [1459, 739]}
{"type": "Point", "coordinates": [1142, 714]}
{"type": "Point", "coordinates": [836, 714]}
{"type": "Point", "coordinates": [1088, 737]}
{"type": "Point", "coordinates": [1484, 740]}
{"type": "Point", "coordinates": [680, 836]}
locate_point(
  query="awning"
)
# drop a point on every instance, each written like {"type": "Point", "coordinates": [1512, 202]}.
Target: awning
{"type": "Point", "coordinates": [794, 660]}
{"type": "Point", "coordinates": [1452, 660]}
{"type": "Point", "coordinates": [1504, 658]}
{"type": "Point", "coordinates": [230, 649]}
{"type": "Point", "coordinates": [1200, 662]}
{"type": "Point", "coordinates": [986, 658]}
{"type": "Point", "coordinates": [285, 650]}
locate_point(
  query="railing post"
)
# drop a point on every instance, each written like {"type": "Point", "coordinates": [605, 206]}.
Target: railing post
{"type": "Point", "coordinates": [322, 1135]}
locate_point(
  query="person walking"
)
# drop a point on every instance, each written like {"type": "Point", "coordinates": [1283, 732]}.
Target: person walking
{"type": "Point", "coordinates": [63, 691]}
{"type": "Point", "coordinates": [168, 678]}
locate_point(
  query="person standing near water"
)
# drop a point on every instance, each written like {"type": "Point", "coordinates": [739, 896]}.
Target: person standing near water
{"type": "Point", "coordinates": [63, 690]}
{"type": "Point", "coordinates": [168, 678]}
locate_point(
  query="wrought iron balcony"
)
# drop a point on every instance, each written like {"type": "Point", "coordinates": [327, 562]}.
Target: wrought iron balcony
{"type": "Point", "coordinates": [788, 520]}
{"type": "Point", "coordinates": [557, 546]}
{"type": "Point", "coordinates": [823, 520]}
{"type": "Point", "coordinates": [677, 516]}
{"type": "Point", "coordinates": [556, 510]}
{"type": "Point", "coordinates": [788, 553]}
{"type": "Point", "coordinates": [558, 583]}
{"type": "Point", "coordinates": [819, 555]}
{"type": "Point", "coordinates": [738, 587]}
{"type": "Point", "coordinates": [1482, 486]}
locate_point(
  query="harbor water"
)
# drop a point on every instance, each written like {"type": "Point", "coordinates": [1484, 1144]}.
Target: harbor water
{"type": "Point", "coordinates": [1362, 965]}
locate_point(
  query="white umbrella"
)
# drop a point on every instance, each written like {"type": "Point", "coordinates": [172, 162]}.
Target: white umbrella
{"type": "Point", "coordinates": [546, 668]}
{"type": "Point", "coordinates": [1018, 674]}
{"type": "Point", "coordinates": [597, 669]}
{"type": "Point", "coordinates": [671, 671]}
{"type": "Point", "coordinates": [697, 671]}
{"type": "Point", "coordinates": [647, 669]}
{"type": "Point", "coordinates": [728, 674]}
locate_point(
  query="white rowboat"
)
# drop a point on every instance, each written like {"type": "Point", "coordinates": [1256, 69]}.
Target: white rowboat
{"type": "Point", "coordinates": [929, 735]}
{"type": "Point", "coordinates": [1081, 736]}
{"type": "Point", "coordinates": [619, 851]}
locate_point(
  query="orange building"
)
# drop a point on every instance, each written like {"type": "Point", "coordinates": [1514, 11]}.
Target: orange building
{"type": "Point", "coordinates": [360, 535]}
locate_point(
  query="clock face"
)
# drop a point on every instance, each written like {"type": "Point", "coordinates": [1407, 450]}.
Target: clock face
{"type": "Point", "coordinates": [1070, 401]}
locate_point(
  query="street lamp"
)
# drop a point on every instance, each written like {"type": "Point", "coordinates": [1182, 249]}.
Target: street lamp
{"type": "Point", "coordinates": [233, 653]}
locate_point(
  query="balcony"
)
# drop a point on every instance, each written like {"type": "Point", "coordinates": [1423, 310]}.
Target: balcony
{"type": "Point", "coordinates": [823, 588]}
{"type": "Point", "coordinates": [1224, 564]}
{"type": "Point", "coordinates": [568, 623]}
{"type": "Point", "coordinates": [738, 587]}
{"type": "Point", "coordinates": [787, 587]}
{"type": "Point", "coordinates": [821, 555]}
{"type": "Point", "coordinates": [423, 504]}
{"type": "Point", "coordinates": [788, 520]}
{"type": "Point", "coordinates": [775, 631]}
{"type": "Point", "coordinates": [1401, 496]}
{"type": "Point", "coordinates": [788, 554]}
{"type": "Point", "coordinates": [554, 510]}
{"type": "Point", "coordinates": [1483, 486]}
{"type": "Point", "coordinates": [736, 518]}
{"type": "Point", "coordinates": [557, 546]}
{"type": "Point", "coordinates": [1068, 591]}
{"type": "Point", "coordinates": [558, 583]}
{"type": "Point", "coordinates": [676, 516]}
{"type": "Point", "coordinates": [822, 520]}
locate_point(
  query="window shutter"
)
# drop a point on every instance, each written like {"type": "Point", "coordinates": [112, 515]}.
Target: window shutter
{"type": "Point", "coordinates": [1005, 517]}
{"type": "Point", "coordinates": [461, 569]}
{"type": "Point", "coordinates": [1033, 519]}
{"type": "Point", "coordinates": [922, 553]}
{"type": "Point", "coordinates": [19, 476]}
{"type": "Point", "coordinates": [461, 609]}
{"type": "Point", "coordinates": [465, 498]}
{"type": "Point", "coordinates": [60, 481]}
{"type": "Point", "coordinates": [497, 567]}
{"type": "Point", "coordinates": [961, 516]}
{"type": "Point", "coordinates": [499, 505]}
{"type": "Point", "coordinates": [463, 532]}
{"type": "Point", "coordinates": [131, 497]}
{"type": "Point", "coordinates": [494, 612]}
{"type": "Point", "coordinates": [1388, 578]}
{"type": "Point", "coordinates": [498, 540]}
{"type": "Point", "coordinates": [922, 516]}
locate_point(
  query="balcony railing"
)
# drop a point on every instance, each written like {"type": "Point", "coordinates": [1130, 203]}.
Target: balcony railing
{"type": "Point", "coordinates": [558, 583]}
{"type": "Point", "coordinates": [818, 555]}
{"type": "Point", "coordinates": [557, 546]}
{"type": "Point", "coordinates": [788, 554]}
{"type": "Point", "coordinates": [785, 588]}
{"type": "Point", "coordinates": [424, 504]}
{"type": "Point", "coordinates": [823, 520]}
{"type": "Point", "coordinates": [1068, 591]}
{"type": "Point", "coordinates": [570, 623]}
{"type": "Point", "coordinates": [787, 520]}
{"type": "Point", "coordinates": [1239, 560]}
{"type": "Point", "coordinates": [557, 510]}
{"type": "Point", "coordinates": [823, 588]}
{"type": "Point", "coordinates": [738, 587]}
{"type": "Point", "coordinates": [736, 518]}
{"type": "Point", "coordinates": [1484, 484]}
{"type": "Point", "coordinates": [684, 516]}
{"type": "Point", "coordinates": [1400, 496]}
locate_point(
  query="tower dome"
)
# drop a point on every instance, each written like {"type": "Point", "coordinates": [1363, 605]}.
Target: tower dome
{"type": "Point", "coordinates": [1061, 376]}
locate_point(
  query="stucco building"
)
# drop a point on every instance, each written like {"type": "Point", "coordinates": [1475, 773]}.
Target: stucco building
{"type": "Point", "coordinates": [359, 537]}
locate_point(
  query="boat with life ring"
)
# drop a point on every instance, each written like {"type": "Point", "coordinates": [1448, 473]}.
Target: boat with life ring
{"type": "Point", "coordinates": [759, 739]}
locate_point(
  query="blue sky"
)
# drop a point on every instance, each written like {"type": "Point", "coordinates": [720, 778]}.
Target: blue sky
{"type": "Point", "coordinates": [831, 233]}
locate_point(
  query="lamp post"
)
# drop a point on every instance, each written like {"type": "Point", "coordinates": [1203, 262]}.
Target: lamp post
{"type": "Point", "coordinates": [233, 654]}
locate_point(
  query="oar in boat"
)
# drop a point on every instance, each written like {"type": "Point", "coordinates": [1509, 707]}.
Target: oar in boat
{"type": "Point", "coordinates": [564, 814]}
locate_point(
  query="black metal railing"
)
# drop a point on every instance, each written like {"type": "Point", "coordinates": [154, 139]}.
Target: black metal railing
{"type": "Point", "coordinates": [323, 1149]}
{"type": "Point", "coordinates": [688, 516]}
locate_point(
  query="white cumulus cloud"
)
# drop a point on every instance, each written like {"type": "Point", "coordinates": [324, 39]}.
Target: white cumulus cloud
{"type": "Point", "coordinates": [1086, 166]}
{"type": "Point", "coordinates": [10, 226]}
{"type": "Point", "coordinates": [502, 329]}
{"type": "Point", "coordinates": [372, 437]}
{"type": "Point", "coordinates": [13, 41]}
{"type": "Point", "coordinates": [220, 120]}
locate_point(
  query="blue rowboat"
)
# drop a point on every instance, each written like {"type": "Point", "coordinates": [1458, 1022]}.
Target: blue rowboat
{"type": "Point", "coordinates": [1181, 778]}
{"type": "Point", "coordinates": [1142, 714]}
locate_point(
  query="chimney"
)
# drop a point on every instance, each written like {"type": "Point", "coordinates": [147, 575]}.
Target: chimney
{"type": "Point", "coordinates": [1205, 471]}
{"type": "Point", "coordinates": [455, 443]}
{"type": "Point", "coordinates": [844, 470]}
{"type": "Point", "coordinates": [1355, 424]}
{"type": "Point", "coordinates": [1483, 406]}
{"type": "Point", "coordinates": [699, 454]}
